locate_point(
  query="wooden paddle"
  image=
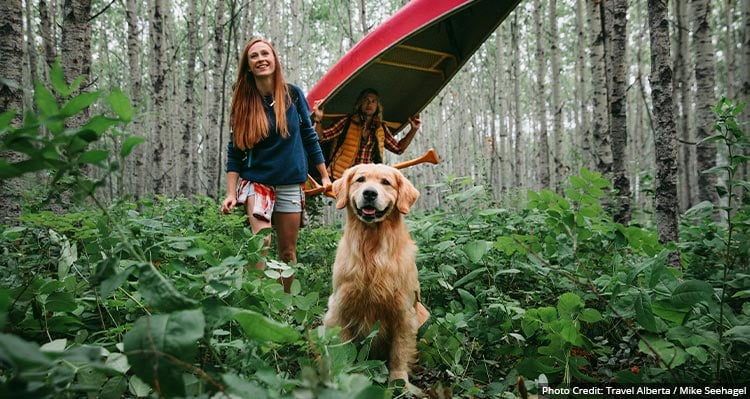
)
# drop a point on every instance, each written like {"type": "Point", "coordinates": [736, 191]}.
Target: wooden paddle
{"type": "Point", "coordinates": [315, 188]}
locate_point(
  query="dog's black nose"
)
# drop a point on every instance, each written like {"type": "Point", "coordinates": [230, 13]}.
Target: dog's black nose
{"type": "Point", "coordinates": [370, 194]}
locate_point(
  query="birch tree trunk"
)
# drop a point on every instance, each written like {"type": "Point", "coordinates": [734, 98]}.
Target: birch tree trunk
{"type": "Point", "coordinates": [744, 94]}
{"type": "Point", "coordinates": [188, 150]}
{"type": "Point", "coordinates": [157, 138]}
{"type": "Point", "coordinates": [602, 151]}
{"type": "Point", "coordinates": [75, 48]}
{"type": "Point", "coordinates": [32, 56]}
{"type": "Point", "coordinates": [136, 180]}
{"type": "Point", "coordinates": [666, 210]}
{"type": "Point", "coordinates": [705, 99]}
{"type": "Point", "coordinates": [542, 149]}
{"type": "Point", "coordinates": [581, 89]}
{"type": "Point", "coordinates": [617, 109]}
{"type": "Point", "coordinates": [213, 160]}
{"type": "Point", "coordinates": [683, 101]}
{"type": "Point", "coordinates": [11, 97]}
{"type": "Point", "coordinates": [519, 163]}
{"type": "Point", "coordinates": [47, 30]}
{"type": "Point", "coordinates": [557, 105]}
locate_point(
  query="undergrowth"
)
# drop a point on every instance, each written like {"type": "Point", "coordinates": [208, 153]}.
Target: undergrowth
{"type": "Point", "coordinates": [153, 298]}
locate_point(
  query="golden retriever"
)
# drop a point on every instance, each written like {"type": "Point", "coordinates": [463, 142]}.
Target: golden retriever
{"type": "Point", "coordinates": [375, 274]}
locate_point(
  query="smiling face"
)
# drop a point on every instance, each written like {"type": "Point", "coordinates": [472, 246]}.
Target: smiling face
{"type": "Point", "coordinates": [369, 104]}
{"type": "Point", "coordinates": [261, 59]}
{"type": "Point", "coordinates": [372, 191]}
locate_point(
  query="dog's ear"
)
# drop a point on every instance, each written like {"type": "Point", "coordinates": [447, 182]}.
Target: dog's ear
{"type": "Point", "coordinates": [341, 189]}
{"type": "Point", "coordinates": [407, 194]}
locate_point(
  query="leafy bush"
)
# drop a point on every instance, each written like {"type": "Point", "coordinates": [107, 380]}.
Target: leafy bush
{"type": "Point", "coordinates": [153, 298]}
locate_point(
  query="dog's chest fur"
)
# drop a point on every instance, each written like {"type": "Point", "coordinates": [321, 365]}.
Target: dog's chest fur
{"type": "Point", "coordinates": [372, 275]}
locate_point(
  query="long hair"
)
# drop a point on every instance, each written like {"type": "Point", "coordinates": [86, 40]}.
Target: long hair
{"type": "Point", "coordinates": [378, 116]}
{"type": "Point", "coordinates": [247, 117]}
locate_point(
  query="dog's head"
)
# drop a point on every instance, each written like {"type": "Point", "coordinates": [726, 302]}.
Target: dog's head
{"type": "Point", "coordinates": [372, 191]}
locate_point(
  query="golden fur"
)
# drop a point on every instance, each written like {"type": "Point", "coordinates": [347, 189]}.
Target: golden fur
{"type": "Point", "coordinates": [375, 274]}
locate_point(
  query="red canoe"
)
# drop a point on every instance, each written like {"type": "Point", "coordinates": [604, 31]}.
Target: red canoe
{"type": "Point", "coordinates": [410, 57]}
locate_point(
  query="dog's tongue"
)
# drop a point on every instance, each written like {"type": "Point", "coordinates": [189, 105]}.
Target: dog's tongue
{"type": "Point", "coordinates": [368, 211]}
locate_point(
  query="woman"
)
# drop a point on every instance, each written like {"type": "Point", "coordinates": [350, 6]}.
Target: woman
{"type": "Point", "coordinates": [271, 140]}
{"type": "Point", "coordinates": [362, 135]}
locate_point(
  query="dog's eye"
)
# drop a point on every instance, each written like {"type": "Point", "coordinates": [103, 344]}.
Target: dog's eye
{"type": "Point", "coordinates": [385, 182]}
{"type": "Point", "coordinates": [360, 179]}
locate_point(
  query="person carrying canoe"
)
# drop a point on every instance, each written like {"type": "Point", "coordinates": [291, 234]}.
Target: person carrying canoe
{"type": "Point", "coordinates": [362, 136]}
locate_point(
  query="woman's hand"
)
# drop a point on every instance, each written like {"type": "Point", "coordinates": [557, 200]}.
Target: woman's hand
{"type": "Point", "coordinates": [229, 202]}
{"type": "Point", "coordinates": [317, 110]}
{"type": "Point", "coordinates": [415, 122]}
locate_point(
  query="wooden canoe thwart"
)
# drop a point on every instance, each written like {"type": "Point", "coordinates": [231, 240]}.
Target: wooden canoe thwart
{"type": "Point", "coordinates": [410, 57]}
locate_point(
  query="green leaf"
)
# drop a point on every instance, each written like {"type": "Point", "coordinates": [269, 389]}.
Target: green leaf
{"type": "Point", "coordinates": [45, 101]}
{"type": "Point", "coordinates": [691, 292]}
{"type": "Point", "coordinates": [129, 144]}
{"type": "Point", "coordinates": [590, 315]}
{"type": "Point", "coordinates": [160, 293]}
{"type": "Point", "coordinates": [99, 124]}
{"type": "Point", "coordinates": [158, 345]}
{"type": "Point", "coordinates": [60, 302]}
{"type": "Point", "coordinates": [21, 354]}
{"type": "Point", "coordinates": [79, 102]}
{"type": "Point", "coordinates": [263, 329]}
{"type": "Point", "coordinates": [475, 250]}
{"type": "Point", "coordinates": [5, 119]}
{"type": "Point", "coordinates": [120, 104]}
{"type": "Point", "coordinates": [739, 334]}
{"type": "Point", "coordinates": [643, 312]}
{"type": "Point", "coordinates": [698, 352]}
{"type": "Point", "coordinates": [93, 156]}
{"type": "Point", "coordinates": [569, 305]}
{"type": "Point", "coordinates": [670, 354]}
{"type": "Point", "coordinates": [57, 78]}
{"type": "Point", "coordinates": [470, 303]}
{"type": "Point", "coordinates": [470, 276]}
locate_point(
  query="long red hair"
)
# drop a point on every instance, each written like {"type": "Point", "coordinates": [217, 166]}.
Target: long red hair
{"type": "Point", "coordinates": [247, 117]}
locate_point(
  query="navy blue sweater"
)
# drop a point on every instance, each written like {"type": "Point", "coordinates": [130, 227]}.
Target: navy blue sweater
{"type": "Point", "coordinates": [276, 160]}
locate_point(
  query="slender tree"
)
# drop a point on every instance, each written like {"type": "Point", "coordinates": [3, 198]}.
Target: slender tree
{"type": "Point", "coordinates": [557, 104]}
{"type": "Point", "coordinates": [683, 106]}
{"type": "Point", "coordinates": [518, 161]}
{"type": "Point", "coordinates": [157, 139]}
{"type": "Point", "coordinates": [617, 108]}
{"type": "Point", "coordinates": [542, 145]}
{"type": "Point", "coordinates": [11, 97]}
{"type": "Point", "coordinates": [581, 89]}
{"type": "Point", "coordinates": [666, 210]}
{"type": "Point", "coordinates": [705, 99]}
{"type": "Point", "coordinates": [602, 148]}
{"type": "Point", "coordinates": [188, 156]}
{"type": "Point", "coordinates": [75, 47]}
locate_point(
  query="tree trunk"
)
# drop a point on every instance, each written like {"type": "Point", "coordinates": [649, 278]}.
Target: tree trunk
{"type": "Point", "coordinates": [682, 95]}
{"type": "Point", "coordinates": [214, 153]}
{"type": "Point", "coordinates": [518, 161]}
{"type": "Point", "coordinates": [47, 30]}
{"type": "Point", "coordinates": [11, 97]}
{"type": "Point", "coordinates": [75, 48]}
{"type": "Point", "coordinates": [666, 211]}
{"type": "Point", "coordinates": [705, 99]}
{"type": "Point", "coordinates": [617, 109]}
{"type": "Point", "coordinates": [583, 136]}
{"type": "Point", "coordinates": [137, 180]}
{"type": "Point", "coordinates": [542, 149]}
{"type": "Point", "coordinates": [188, 153]}
{"type": "Point", "coordinates": [744, 75]}
{"type": "Point", "coordinates": [557, 105]}
{"type": "Point", "coordinates": [157, 139]}
{"type": "Point", "coordinates": [602, 151]}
